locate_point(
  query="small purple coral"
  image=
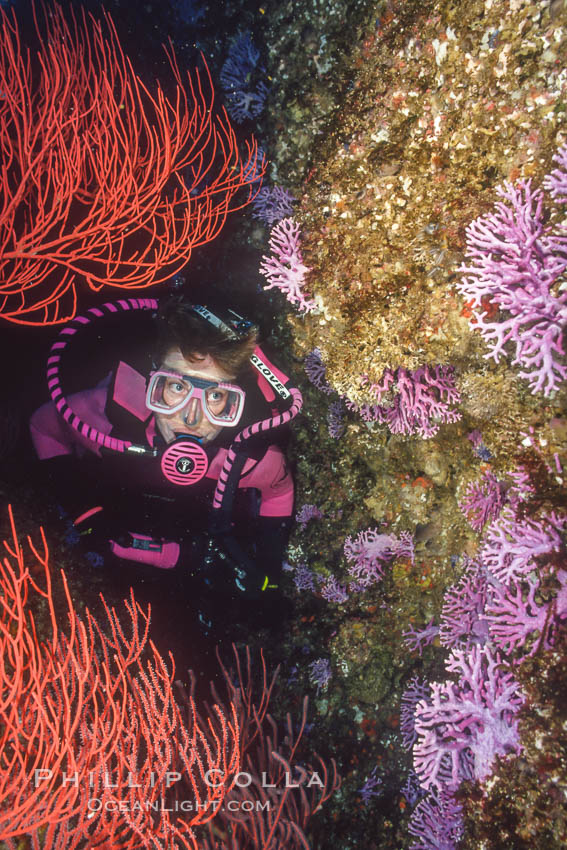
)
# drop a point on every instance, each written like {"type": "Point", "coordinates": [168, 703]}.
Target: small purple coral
{"type": "Point", "coordinates": [246, 94]}
{"type": "Point", "coordinates": [320, 672]}
{"type": "Point", "coordinates": [416, 690]}
{"type": "Point", "coordinates": [370, 551]}
{"type": "Point", "coordinates": [307, 513]}
{"type": "Point", "coordinates": [335, 419]}
{"type": "Point", "coordinates": [437, 823]}
{"type": "Point", "coordinates": [370, 788]}
{"type": "Point", "coordinates": [316, 371]}
{"type": "Point", "coordinates": [417, 639]}
{"type": "Point", "coordinates": [483, 500]}
{"type": "Point", "coordinates": [271, 204]}
{"type": "Point", "coordinates": [304, 578]}
{"type": "Point", "coordinates": [332, 591]}
{"type": "Point", "coordinates": [285, 269]}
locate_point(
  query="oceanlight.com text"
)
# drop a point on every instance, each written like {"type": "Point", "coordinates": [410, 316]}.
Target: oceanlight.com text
{"type": "Point", "coordinates": [95, 805]}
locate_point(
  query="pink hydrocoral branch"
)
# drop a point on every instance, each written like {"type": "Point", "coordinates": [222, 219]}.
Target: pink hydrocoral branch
{"type": "Point", "coordinates": [416, 690]}
{"type": "Point", "coordinates": [369, 552]}
{"type": "Point", "coordinates": [556, 182]}
{"type": "Point", "coordinates": [514, 616]}
{"type": "Point", "coordinates": [522, 488]}
{"type": "Point", "coordinates": [483, 500]}
{"type": "Point", "coordinates": [464, 725]}
{"type": "Point", "coordinates": [462, 616]}
{"type": "Point", "coordinates": [285, 269]}
{"type": "Point", "coordinates": [512, 546]}
{"type": "Point", "coordinates": [416, 640]}
{"type": "Point", "coordinates": [421, 400]}
{"type": "Point", "coordinates": [517, 618]}
{"type": "Point", "coordinates": [516, 263]}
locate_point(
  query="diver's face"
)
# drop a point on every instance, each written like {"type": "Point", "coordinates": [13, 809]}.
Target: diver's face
{"type": "Point", "coordinates": [191, 419]}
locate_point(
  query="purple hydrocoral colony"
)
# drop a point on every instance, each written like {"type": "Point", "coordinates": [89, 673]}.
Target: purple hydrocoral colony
{"type": "Point", "coordinates": [483, 500]}
{"type": "Point", "coordinates": [556, 182]}
{"type": "Point", "coordinates": [412, 790]}
{"type": "Point", "coordinates": [304, 578]}
{"type": "Point", "coordinates": [320, 672]}
{"type": "Point", "coordinates": [370, 551]}
{"type": "Point", "coordinates": [243, 99]}
{"type": "Point", "coordinates": [517, 262]}
{"type": "Point", "coordinates": [307, 513]}
{"type": "Point", "coordinates": [315, 370]}
{"type": "Point", "coordinates": [463, 726]}
{"type": "Point", "coordinates": [421, 400]}
{"type": "Point", "coordinates": [332, 591]}
{"type": "Point", "coordinates": [285, 269]}
{"type": "Point", "coordinates": [416, 640]}
{"type": "Point", "coordinates": [369, 789]}
{"type": "Point", "coordinates": [437, 823]}
{"type": "Point", "coordinates": [271, 204]}
{"type": "Point", "coordinates": [512, 546]}
{"type": "Point", "coordinates": [517, 619]}
{"type": "Point", "coordinates": [416, 690]}
{"type": "Point", "coordinates": [463, 618]}
{"type": "Point", "coordinates": [514, 617]}
{"type": "Point", "coordinates": [335, 419]}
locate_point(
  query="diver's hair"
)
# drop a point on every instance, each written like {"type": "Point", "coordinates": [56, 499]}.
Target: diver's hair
{"type": "Point", "coordinates": [178, 326]}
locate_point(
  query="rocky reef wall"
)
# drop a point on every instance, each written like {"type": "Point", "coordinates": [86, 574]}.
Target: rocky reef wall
{"type": "Point", "coordinates": [394, 124]}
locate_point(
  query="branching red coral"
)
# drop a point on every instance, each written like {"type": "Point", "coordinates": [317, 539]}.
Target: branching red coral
{"type": "Point", "coordinates": [87, 713]}
{"type": "Point", "coordinates": [102, 179]}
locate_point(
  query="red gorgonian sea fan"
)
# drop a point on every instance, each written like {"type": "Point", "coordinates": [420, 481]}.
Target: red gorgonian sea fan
{"type": "Point", "coordinates": [87, 712]}
{"type": "Point", "coordinates": [103, 180]}
{"type": "Point", "coordinates": [99, 746]}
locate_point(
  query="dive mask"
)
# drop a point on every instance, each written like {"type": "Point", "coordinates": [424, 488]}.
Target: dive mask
{"type": "Point", "coordinates": [169, 392]}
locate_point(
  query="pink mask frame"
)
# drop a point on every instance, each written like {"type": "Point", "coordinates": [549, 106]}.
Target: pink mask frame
{"type": "Point", "coordinates": [199, 386]}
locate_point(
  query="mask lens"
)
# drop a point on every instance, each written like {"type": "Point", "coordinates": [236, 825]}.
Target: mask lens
{"type": "Point", "coordinates": [168, 393]}
{"type": "Point", "coordinates": [223, 404]}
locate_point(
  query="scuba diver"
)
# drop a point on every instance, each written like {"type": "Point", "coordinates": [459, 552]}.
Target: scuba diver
{"type": "Point", "coordinates": [174, 460]}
